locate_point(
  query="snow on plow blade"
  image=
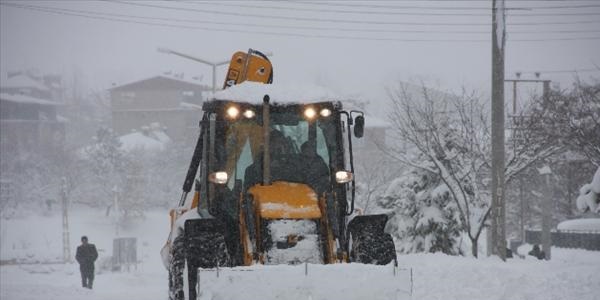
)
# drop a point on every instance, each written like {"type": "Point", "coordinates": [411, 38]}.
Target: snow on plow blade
{"type": "Point", "coordinates": [306, 281]}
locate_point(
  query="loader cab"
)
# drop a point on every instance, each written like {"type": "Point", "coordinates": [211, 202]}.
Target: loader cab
{"type": "Point", "coordinates": [305, 144]}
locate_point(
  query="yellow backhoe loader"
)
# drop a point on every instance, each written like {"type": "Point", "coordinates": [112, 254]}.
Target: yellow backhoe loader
{"type": "Point", "coordinates": [273, 184]}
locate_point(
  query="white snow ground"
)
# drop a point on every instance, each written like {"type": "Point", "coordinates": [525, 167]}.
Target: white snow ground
{"type": "Point", "coordinates": [571, 274]}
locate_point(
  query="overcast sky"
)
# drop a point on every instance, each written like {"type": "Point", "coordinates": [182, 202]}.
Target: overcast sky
{"type": "Point", "coordinates": [87, 36]}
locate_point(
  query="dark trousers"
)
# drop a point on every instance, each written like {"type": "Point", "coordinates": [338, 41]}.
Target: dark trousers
{"type": "Point", "coordinates": [87, 275]}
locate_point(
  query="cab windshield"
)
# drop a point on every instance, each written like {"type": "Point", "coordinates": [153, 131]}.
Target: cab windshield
{"type": "Point", "coordinates": [300, 150]}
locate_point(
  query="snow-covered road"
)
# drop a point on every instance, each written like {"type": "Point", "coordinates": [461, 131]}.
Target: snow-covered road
{"type": "Point", "coordinates": [62, 282]}
{"type": "Point", "coordinates": [571, 274]}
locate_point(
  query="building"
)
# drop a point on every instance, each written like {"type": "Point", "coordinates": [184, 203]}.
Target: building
{"type": "Point", "coordinates": [28, 116]}
{"type": "Point", "coordinates": [172, 102]}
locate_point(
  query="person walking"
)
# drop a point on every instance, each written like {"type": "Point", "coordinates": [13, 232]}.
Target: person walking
{"type": "Point", "coordinates": [86, 256]}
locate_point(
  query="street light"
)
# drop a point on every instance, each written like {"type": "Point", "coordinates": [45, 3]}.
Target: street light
{"type": "Point", "coordinates": [204, 61]}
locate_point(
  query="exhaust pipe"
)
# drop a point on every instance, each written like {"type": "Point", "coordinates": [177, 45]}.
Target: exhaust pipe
{"type": "Point", "coordinates": [267, 145]}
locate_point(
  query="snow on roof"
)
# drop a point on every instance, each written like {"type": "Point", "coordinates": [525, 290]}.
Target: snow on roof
{"type": "Point", "coordinates": [26, 99]}
{"type": "Point", "coordinates": [163, 78]}
{"type": "Point", "coordinates": [253, 92]}
{"type": "Point", "coordinates": [137, 140]}
{"type": "Point", "coordinates": [190, 105]}
{"type": "Point", "coordinates": [587, 225]}
{"type": "Point", "coordinates": [22, 81]}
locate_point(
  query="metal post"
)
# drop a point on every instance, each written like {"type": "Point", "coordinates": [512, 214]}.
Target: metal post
{"type": "Point", "coordinates": [306, 269]}
{"type": "Point", "coordinates": [522, 199]}
{"type": "Point", "coordinates": [65, 221]}
{"type": "Point", "coordinates": [116, 209]}
{"type": "Point", "coordinates": [547, 213]}
{"type": "Point", "coordinates": [411, 282]}
{"type": "Point", "coordinates": [198, 282]}
{"type": "Point", "coordinates": [266, 142]}
{"type": "Point", "coordinates": [514, 98]}
{"type": "Point", "coordinates": [214, 78]}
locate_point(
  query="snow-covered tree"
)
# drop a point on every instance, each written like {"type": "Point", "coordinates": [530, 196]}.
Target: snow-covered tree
{"type": "Point", "coordinates": [451, 133]}
{"type": "Point", "coordinates": [115, 178]}
{"type": "Point", "coordinates": [570, 117]}
{"type": "Point", "coordinates": [423, 216]}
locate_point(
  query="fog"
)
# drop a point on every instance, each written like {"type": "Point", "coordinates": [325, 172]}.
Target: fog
{"type": "Point", "coordinates": [107, 51]}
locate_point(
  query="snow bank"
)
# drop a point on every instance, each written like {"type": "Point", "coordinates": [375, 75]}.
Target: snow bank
{"type": "Point", "coordinates": [253, 92]}
{"type": "Point", "coordinates": [585, 225]}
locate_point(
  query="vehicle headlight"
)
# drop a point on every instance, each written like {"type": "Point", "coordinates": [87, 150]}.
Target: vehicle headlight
{"type": "Point", "coordinates": [249, 114]}
{"type": "Point", "coordinates": [343, 176]}
{"type": "Point", "coordinates": [218, 177]}
{"type": "Point", "coordinates": [325, 112]}
{"type": "Point", "coordinates": [233, 112]}
{"type": "Point", "coordinates": [310, 113]}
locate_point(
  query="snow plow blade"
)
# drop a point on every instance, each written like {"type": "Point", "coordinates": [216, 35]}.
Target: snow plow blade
{"type": "Point", "coordinates": [306, 281]}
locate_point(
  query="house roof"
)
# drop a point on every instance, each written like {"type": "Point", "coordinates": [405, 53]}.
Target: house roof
{"type": "Point", "coordinates": [160, 82]}
{"type": "Point", "coordinates": [26, 99]}
{"type": "Point", "coordinates": [22, 81]}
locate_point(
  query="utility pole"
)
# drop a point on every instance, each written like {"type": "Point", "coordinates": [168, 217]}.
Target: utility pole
{"type": "Point", "coordinates": [546, 172]}
{"type": "Point", "coordinates": [65, 220]}
{"type": "Point", "coordinates": [498, 205]}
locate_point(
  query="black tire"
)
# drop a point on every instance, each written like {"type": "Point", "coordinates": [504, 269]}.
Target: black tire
{"type": "Point", "coordinates": [176, 267]}
{"type": "Point", "coordinates": [377, 249]}
{"type": "Point", "coordinates": [204, 250]}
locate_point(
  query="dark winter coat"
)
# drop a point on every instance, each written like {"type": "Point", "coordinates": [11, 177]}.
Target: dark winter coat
{"type": "Point", "coordinates": [86, 255]}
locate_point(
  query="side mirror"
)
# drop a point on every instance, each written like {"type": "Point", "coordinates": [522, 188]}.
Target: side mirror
{"type": "Point", "coordinates": [359, 126]}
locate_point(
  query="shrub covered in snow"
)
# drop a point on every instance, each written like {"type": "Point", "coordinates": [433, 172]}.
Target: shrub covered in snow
{"type": "Point", "coordinates": [589, 195]}
{"type": "Point", "coordinates": [424, 217]}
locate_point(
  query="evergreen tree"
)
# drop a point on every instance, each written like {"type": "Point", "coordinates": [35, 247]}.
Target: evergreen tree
{"type": "Point", "coordinates": [424, 217]}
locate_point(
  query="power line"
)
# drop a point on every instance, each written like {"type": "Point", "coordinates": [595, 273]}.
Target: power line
{"type": "Point", "coordinates": [329, 20]}
{"type": "Point", "coordinates": [288, 26]}
{"type": "Point", "coordinates": [362, 12]}
{"type": "Point", "coordinates": [321, 10]}
{"type": "Point", "coordinates": [285, 34]}
{"type": "Point", "coordinates": [346, 4]}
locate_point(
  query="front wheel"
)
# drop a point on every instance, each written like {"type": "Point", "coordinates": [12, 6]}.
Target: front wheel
{"type": "Point", "coordinates": [176, 268]}
{"type": "Point", "coordinates": [377, 249]}
{"type": "Point", "coordinates": [368, 242]}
